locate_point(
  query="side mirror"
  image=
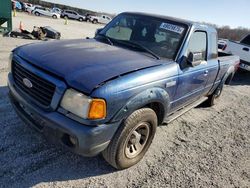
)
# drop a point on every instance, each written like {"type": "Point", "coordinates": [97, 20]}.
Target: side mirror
{"type": "Point", "coordinates": [194, 59]}
{"type": "Point", "coordinates": [98, 31]}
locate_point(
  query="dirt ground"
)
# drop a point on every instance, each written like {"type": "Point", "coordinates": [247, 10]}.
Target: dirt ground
{"type": "Point", "coordinates": [206, 147]}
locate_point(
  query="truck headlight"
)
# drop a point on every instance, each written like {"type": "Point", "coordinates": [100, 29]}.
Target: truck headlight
{"type": "Point", "coordinates": [10, 62]}
{"type": "Point", "coordinates": [83, 106]}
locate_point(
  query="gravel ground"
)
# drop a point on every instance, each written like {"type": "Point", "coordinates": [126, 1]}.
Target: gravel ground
{"type": "Point", "coordinates": [206, 147]}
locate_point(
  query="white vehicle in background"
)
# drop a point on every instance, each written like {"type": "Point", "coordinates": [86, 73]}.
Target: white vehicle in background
{"type": "Point", "coordinates": [57, 10]}
{"type": "Point", "coordinates": [38, 11]}
{"type": "Point", "coordinates": [241, 49]}
{"type": "Point", "coordinates": [103, 19]}
{"type": "Point", "coordinates": [70, 14]}
{"type": "Point", "coordinates": [29, 9]}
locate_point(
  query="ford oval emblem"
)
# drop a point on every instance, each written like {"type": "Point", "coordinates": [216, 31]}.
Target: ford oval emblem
{"type": "Point", "coordinates": [27, 83]}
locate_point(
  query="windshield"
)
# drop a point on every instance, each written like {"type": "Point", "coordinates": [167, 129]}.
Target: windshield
{"type": "Point", "coordinates": [161, 37]}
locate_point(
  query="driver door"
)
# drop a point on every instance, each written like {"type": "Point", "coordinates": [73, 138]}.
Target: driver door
{"type": "Point", "coordinates": [192, 80]}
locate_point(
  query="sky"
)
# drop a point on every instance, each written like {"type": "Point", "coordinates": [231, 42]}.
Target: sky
{"type": "Point", "coordinates": [235, 13]}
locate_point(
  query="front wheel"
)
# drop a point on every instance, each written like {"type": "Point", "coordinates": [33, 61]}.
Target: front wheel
{"type": "Point", "coordinates": [54, 17]}
{"type": "Point", "coordinates": [37, 13]}
{"type": "Point", "coordinates": [81, 19]}
{"type": "Point", "coordinates": [132, 139]}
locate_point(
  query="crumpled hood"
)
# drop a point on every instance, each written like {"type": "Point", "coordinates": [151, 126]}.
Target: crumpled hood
{"type": "Point", "coordinates": [84, 64]}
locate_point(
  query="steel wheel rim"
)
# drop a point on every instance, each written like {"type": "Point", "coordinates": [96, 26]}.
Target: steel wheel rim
{"type": "Point", "coordinates": [218, 94]}
{"type": "Point", "coordinates": [136, 140]}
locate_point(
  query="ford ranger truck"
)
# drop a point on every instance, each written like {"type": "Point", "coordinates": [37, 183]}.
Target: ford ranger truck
{"type": "Point", "coordinates": [108, 94]}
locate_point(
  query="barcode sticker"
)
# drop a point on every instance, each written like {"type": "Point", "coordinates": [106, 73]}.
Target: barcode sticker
{"type": "Point", "coordinates": [171, 27]}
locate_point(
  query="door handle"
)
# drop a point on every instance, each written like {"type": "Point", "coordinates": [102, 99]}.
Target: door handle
{"type": "Point", "coordinates": [206, 72]}
{"type": "Point", "coordinates": [246, 49]}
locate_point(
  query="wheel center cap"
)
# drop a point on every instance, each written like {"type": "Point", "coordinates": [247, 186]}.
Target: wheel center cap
{"type": "Point", "coordinates": [133, 140]}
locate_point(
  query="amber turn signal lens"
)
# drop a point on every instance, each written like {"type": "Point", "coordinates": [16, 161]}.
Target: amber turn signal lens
{"type": "Point", "coordinates": [97, 109]}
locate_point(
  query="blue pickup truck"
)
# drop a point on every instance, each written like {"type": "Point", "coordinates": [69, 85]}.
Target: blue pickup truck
{"type": "Point", "coordinates": [109, 93]}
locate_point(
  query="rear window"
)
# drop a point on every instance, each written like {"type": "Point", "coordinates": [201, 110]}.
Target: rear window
{"type": "Point", "coordinates": [246, 40]}
{"type": "Point", "coordinates": [214, 46]}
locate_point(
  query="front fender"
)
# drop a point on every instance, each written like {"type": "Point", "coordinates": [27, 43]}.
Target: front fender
{"type": "Point", "coordinates": [149, 96]}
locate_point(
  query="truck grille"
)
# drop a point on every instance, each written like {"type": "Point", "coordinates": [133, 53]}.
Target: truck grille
{"type": "Point", "coordinates": [41, 90]}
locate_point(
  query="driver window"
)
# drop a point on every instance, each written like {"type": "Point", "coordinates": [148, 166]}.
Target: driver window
{"type": "Point", "coordinates": [198, 43]}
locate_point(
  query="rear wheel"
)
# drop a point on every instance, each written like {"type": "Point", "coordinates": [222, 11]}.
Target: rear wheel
{"type": "Point", "coordinates": [132, 139]}
{"type": "Point", "coordinates": [37, 14]}
{"type": "Point", "coordinates": [54, 16]}
{"type": "Point", "coordinates": [229, 79]}
{"type": "Point", "coordinates": [213, 98]}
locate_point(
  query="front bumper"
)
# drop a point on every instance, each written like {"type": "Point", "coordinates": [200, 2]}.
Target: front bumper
{"type": "Point", "coordinates": [87, 140]}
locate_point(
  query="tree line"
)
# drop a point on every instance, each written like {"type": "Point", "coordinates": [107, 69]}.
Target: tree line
{"type": "Point", "coordinates": [233, 34]}
{"type": "Point", "coordinates": [226, 32]}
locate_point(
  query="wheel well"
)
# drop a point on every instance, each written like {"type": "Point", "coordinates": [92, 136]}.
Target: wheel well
{"type": "Point", "coordinates": [159, 111]}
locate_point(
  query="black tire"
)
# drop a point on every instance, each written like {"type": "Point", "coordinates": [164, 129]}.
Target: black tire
{"type": "Point", "coordinates": [213, 98]}
{"type": "Point", "coordinates": [54, 17]}
{"type": "Point", "coordinates": [94, 22]}
{"type": "Point", "coordinates": [81, 19]}
{"type": "Point", "coordinates": [139, 128]}
{"type": "Point", "coordinates": [37, 14]}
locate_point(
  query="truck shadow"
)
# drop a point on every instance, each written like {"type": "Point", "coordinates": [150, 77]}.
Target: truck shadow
{"type": "Point", "coordinates": [29, 159]}
{"type": "Point", "coordinates": [241, 78]}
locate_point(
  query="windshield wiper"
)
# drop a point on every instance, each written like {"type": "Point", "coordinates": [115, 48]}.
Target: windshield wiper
{"type": "Point", "coordinates": [139, 46]}
{"type": "Point", "coordinates": [107, 38]}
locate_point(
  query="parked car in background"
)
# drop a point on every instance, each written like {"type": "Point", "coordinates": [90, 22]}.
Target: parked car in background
{"type": "Point", "coordinates": [241, 48]}
{"type": "Point", "coordinates": [25, 6]}
{"type": "Point", "coordinates": [57, 10]}
{"type": "Point", "coordinates": [17, 5]}
{"type": "Point", "coordinates": [88, 17]}
{"type": "Point", "coordinates": [38, 11]}
{"type": "Point", "coordinates": [31, 8]}
{"type": "Point", "coordinates": [70, 14]}
{"type": "Point", "coordinates": [103, 19]}
{"type": "Point", "coordinates": [108, 94]}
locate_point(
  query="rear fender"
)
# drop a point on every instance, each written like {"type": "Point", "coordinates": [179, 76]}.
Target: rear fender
{"type": "Point", "coordinates": [149, 96]}
{"type": "Point", "coordinates": [228, 74]}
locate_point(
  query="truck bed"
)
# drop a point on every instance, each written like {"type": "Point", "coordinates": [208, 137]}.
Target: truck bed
{"type": "Point", "coordinates": [222, 56]}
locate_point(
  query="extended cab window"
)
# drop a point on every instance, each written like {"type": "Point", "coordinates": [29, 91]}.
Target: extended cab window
{"type": "Point", "coordinates": [160, 36]}
{"type": "Point", "coordinates": [198, 43]}
{"type": "Point", "coordinates": [214, 46]}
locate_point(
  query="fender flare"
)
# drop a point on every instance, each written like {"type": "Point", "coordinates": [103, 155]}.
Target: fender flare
{"type": "Point", "coordinates": [147, 97]}
{"type": "Point", "coordinates": [229, 72]}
